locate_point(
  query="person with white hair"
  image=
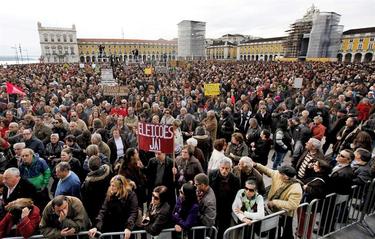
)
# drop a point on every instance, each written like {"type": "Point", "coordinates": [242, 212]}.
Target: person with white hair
{"type": "Point", "coordinates": [312, 153]}
{"type": "Point", "coordinates": [198, 153]}
{"type": "Point", "coordinates": [225, 184]}
{"type": "Point", "coordinates": [16, 187]}
{"type": "Point", "coordinates": [245, 171]}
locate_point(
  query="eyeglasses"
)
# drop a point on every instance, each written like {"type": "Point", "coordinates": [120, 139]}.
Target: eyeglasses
{"type": "Point", "coordinates": [155, 197]}
{"type": "Point", "coordinates": [250, 189]}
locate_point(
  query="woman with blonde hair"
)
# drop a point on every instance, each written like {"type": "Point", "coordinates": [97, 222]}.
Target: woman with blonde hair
{"type": "Point", "coordinates": [120, 209]}
{"type": "Point", "coordinates": [22, 219]}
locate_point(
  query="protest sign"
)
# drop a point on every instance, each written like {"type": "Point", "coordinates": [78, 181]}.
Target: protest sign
{"type": "Point", "coordinates": [155, 137]}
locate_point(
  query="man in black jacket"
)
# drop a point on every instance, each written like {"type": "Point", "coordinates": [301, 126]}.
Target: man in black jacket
{"type": "Point", "coordinates": [16, 187]}
{"type": "Point", "coordinates": [225, 186]}
{"type": "Point", "coordinates": [339, 182]}
{"type": "Point", "coordinates": [159, 171]}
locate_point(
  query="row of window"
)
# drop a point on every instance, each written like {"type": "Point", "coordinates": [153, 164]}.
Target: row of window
{"type": "Point", "coordinates": [143, 46]}
{"type": "Point", "coordinates": [361, 39]}
{"type": "Point", "coordinates": [59, 50]}
{"type": "Point", "coordinates": [370, 46]}
{"type": "Point", "coordinates": [58, 38]}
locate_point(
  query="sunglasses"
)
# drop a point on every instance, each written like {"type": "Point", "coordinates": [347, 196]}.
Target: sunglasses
{"type": "Point", "coordinates": [343, 156]}
{"type": "Point", "coordinates": [250, 189]}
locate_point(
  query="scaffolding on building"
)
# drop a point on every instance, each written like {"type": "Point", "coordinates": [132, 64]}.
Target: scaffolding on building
{"type": "Point", "coordinates": [191, 40]}
{"type": "Point", "coordinates": [325, 36]}
{"type": "Point", "coordinates": [297, 31]}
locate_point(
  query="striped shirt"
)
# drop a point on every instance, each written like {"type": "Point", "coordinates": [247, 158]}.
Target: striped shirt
{"type": "Point", "coordinates": [305, 163]}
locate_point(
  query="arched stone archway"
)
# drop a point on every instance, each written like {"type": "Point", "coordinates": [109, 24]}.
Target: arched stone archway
{"type": "Point", "coordinates": [82, 59]}
{"type": "Point", "coordinates": [348, 58]}
{"type": "Point", "coordinates": [265, 58]}
{"type": "Point", "coordinates": [88, 59]}
{"type": "Point", "coordinates": [270, 57]}
{"type": "Point", "coordinates": [252, 57]}
{"type": "Point", "coordinates": [339, 57]}
{"type": "Point", "coordinates": [368, 57]}
{"type": "Point", "coordinates": [153, 57]}
{"type": "Point", "coordinates": [357, 57]}
{"type": "Point", "coordinates": [144, 58]}
{"type": "Point", "coordinates": [244, 58]}
{"type": "Point", "coordinates": [257, 57]}
{"type": "Point", "coordinates": [93, 59]}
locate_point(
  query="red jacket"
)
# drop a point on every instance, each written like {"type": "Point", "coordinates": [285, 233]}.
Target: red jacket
{"type": "Point", "coordinates": [25, 228]}
{"type": "Point", "coordinates": [318, 131]}
{"type": "Point", "coordinates": [363, 111]}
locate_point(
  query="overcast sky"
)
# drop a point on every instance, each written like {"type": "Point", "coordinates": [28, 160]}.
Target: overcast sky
{"type": "Point", "coordinates": [154, 19]}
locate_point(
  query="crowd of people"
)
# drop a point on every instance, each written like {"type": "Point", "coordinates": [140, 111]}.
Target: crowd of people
{"type": "Point", "coordinates": [70, 161]}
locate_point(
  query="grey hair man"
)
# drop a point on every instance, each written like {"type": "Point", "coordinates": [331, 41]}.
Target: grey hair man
{"type": "Point", "coordinates": [312, 153]}
{"type": "Point", "coordinates": [225, 184]}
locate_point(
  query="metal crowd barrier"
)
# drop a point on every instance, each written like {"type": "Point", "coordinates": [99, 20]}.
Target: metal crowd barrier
{"type": "Point", "coordinates": [319, 218]}
{"type": "Point", "coordinates": [77, 236]}
{"type": "Point", "coordinates": [336, 212]}
{"type": "Point", "coordinates": [198, 232]}
{"type": "Point", "coordinates": [268, 226]}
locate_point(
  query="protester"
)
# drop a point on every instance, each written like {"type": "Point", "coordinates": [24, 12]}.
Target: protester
{"type": "Point", "coordinates": [64, 216]}
{"type": "Point", "coordinates": [119, 210]}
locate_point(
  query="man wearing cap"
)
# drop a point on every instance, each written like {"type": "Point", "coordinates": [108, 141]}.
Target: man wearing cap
{"type": "Point", "coordinates": [285, 194]}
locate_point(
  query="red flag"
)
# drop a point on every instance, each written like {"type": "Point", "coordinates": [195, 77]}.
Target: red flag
{"type": "Point", "coordinates": [12, 89]}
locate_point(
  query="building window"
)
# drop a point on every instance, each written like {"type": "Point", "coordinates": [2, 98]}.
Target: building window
{"type": "Point", "coordinates": [66, 50]}
{"type": "Point", "coordinates": [72, 51]}
{"type": "Point", "coordinates": [372, 39]}
{"type": "Point", "coordinates": [360, 39]}
{"type": "Point", "coordinates": [64, 38]}
{"type": "Point", "coordinates": [351, 40]}
{"type": "Point", "coordinates": [58, 38]}
{"type": "Point", "coordinates": [370, 45]}
{"type": "Point", "coordinates": [360, 46]}
{"type": "Point", "coordinates": [52, 38]}
{"type": "Point", "coordinates": [47, 50]}
{"type": "Point", "coordinates": [70, 38]}
{"type": "Point", "coordinates": [45, 37]}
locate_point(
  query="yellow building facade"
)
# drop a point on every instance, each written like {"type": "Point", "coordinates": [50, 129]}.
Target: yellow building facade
{"type": "Point", "coordinates": [265, 49]}
{"type": "Point", "coordinates": [124, 49]}
{"type": "Point", "coordinates": [357, 45]}
{"type": "Point", "coordinates": [221, 51]}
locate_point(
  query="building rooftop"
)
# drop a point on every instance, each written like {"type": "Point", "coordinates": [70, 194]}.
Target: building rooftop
{"type": "Point", "coordinates": [113, 40]}
{"type": "Point", "coordinates": [265, 40]}
{"type": "Point", "coordinates": [359, 30]}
